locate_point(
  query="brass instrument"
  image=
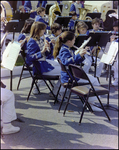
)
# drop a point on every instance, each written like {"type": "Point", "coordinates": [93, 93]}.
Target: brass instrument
{"type": "Point", "coordinates": [52, 14]}
{"type": "Point", "coordinates": [83, 12]}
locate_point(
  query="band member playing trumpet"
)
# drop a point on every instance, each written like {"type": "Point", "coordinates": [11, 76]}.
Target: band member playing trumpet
{"type": "Point", "coordinates": [63, 51]}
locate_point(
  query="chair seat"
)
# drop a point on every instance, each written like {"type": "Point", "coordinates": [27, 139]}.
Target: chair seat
{"type": "Point", "coordinates": [47, 77]}
{"type": "Point", "coordinates": [83, 90]}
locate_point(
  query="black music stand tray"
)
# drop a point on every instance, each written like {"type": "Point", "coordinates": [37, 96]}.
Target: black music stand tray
{"type": "Point", "coordinates": [49, 5]}
{"type": "Point", "coordinates": [13, 26]}
{"type": "Point", "coordinates": [80, 39]}
{"type": "Point", "coordinates": [21, 16]}
{"type": "Point", "coordinates": [94, 15]}
{"type": "Point", "coordinates": [63, 20]}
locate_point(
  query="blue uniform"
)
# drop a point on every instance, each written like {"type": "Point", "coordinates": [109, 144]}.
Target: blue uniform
{"type": "Point", "coordinates": [71, 24]}
{"type": "Point", "coordinates": [34, 55]}
{"type": "Point", "coordinates": [22, 36]}
{"type": "Point", "coordinates": [40, 19]}
{"type": "Point", "coordinates": [28, 6]}
{"type": "Point", "coordinates": [68, 57]}
{"type": "Point", "coordinates": [74, 7]}
{"type": "Point", "coordinates": [45, 2]}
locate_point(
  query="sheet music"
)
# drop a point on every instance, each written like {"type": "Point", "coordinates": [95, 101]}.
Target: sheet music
{"type": "Point", "coordinates": [10, 55]}
{"type": "Point", "coordinates": [109, 57]}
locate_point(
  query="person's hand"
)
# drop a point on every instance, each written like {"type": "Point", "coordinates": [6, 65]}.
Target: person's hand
{"type": "Point", "coordinates": [112, 37]}
{"type": "Point", "coordinates": [46, 47]}
{"type": "Point", "coordinates": [82, 52]}
{"type": "Point", "coordinates": [87, 48]}
{"type": "Point", "coordinates": [53, 41]}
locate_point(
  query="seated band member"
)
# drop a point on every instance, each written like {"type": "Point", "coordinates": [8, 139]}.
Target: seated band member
{"type": "Point", "coordinates": [62, 50]}
{"type": "Point", "coordinates": [71, 23]}
{"type": "Point", "coordinates": [40, 15]}
{"type": "Point", "coordinates": [8, 113]}
{"type": "Point", "coordinates": [36, 51]}
{"type": "Point", "coordinates": [75, 6]}
{"type": "Point", "coordinates": [30, 6]}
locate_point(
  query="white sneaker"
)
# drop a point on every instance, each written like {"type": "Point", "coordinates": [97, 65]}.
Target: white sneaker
{"type": "Point", "coordinates": [115, 82]}
{"type": "Point", "coordinates": [9, 129]}
{"type": "Point", "coordinates": [60, 99]}
{"type": "Point", "coordinates": [94, 108]}
{"type": "Point", "coordinates": [35, 91]}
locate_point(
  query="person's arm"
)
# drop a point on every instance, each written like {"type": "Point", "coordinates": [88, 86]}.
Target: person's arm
{"type": "Point", "coordinates": [72, 8]}
{"type": "Point", "coordinates": [66, 58]}
{"type": "Point", "coordinates": [27, 5]}
{"type": "Point", "coordinates": [44, 3]}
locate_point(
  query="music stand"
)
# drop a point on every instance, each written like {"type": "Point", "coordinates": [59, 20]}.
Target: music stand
{"type": "Point", "coordinates": [12, 26]}
{"type": "Point", "coordinates": [110, 68]}
{"type": "Point", "coordinates": [49, 5]}
{"type": "Point", "coordinates": [94, 15]}
{"type": "Point", "coordinates": [99, 38]}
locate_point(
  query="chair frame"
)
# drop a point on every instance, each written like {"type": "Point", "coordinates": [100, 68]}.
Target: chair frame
{"type": "Point", "coordinates": [25, 67]}
{"type": "Point", "coordinates": [45, 78]}
{"type": "Point", "coordinates": [78, 72]}
{"type": "Point", "coordinates": [69, 84]}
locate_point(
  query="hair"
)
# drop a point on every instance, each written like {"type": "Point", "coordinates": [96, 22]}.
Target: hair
{"type": "Point", "coordinates": [35, 30]}
{"type": "Point", "coordinates": [108, 23]}
{"type": "Point", "coordinates": [27, 26]}
{"type": "Point", "coordinates": [55, 27]}
{"type": "Point", "coordinates": [95, 20]}
{"type": "Point", "coordinates": [40, 9]}
{"type": "Point", "coordinates": [80, 25]}
{"type": "Point", "coordinates": [21, 6]}
{"type": "Point", "coordinates": [72, 13]}
{"type": "Point", "coordinates": [116, 23]}
{"type": "Point", "coordinates": [65, 36]}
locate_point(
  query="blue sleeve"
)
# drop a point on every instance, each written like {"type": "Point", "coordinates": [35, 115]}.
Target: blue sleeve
{"type": "Point", "coordinates": [72, 8]}
{"type": "Point", "coordinates": [58, 2]}
{"type": "Point", "coordinates": [27, 4]}
{"type": "Point", "coordinates": [44, 3]}
{"type": "Point", "coordinates": [33, 51]}
{"type": "Point", "coordinates": [21, 37]}
{"type": "Point", "coordinates": [43, 21]}
{"type": "Point", "coordinates": [67, 59]}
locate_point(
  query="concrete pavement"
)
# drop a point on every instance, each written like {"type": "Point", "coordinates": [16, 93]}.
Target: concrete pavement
{"type": "Point", "coordinates": [45, 128]}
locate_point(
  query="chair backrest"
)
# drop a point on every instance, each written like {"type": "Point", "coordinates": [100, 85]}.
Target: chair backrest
{"type": "Point", "coordinates": [65, 69]}
{"type": "Point", "coordinates": [78, 72]}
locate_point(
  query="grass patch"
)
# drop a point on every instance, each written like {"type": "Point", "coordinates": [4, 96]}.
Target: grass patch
{"type": "Point", "coordinates": [19, 61]}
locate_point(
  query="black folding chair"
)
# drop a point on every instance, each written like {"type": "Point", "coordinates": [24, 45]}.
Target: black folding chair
{"type": "Point", "coordinates": [25, 67]}
{"type": "Point", "coordinates": [85, 91]}
{"type": "Point", "coordinates": [45, 78]}
{"type": "Point", "coordinates": [69, 84]}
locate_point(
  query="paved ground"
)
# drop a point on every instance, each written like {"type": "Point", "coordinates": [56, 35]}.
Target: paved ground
{"type": "Point", "coordinates": [45, 128]}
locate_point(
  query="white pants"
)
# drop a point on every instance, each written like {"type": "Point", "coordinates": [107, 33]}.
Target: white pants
{"type": "Point", "coordinates": [115, 67]}
{"type": "Point", "coordinates": [8, 112]}
{"type": "Point", "coordinates": [88, 62]}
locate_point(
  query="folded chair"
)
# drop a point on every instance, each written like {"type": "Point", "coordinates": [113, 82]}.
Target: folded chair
{"type": "Point", "coordinates": [69, 84]}
{"type": "Point", "coordinates": [45, 78]}
{"type": "Point", "coordinates": [25, 67]}
{"type": "Point", "coordinates": [85, 91]}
